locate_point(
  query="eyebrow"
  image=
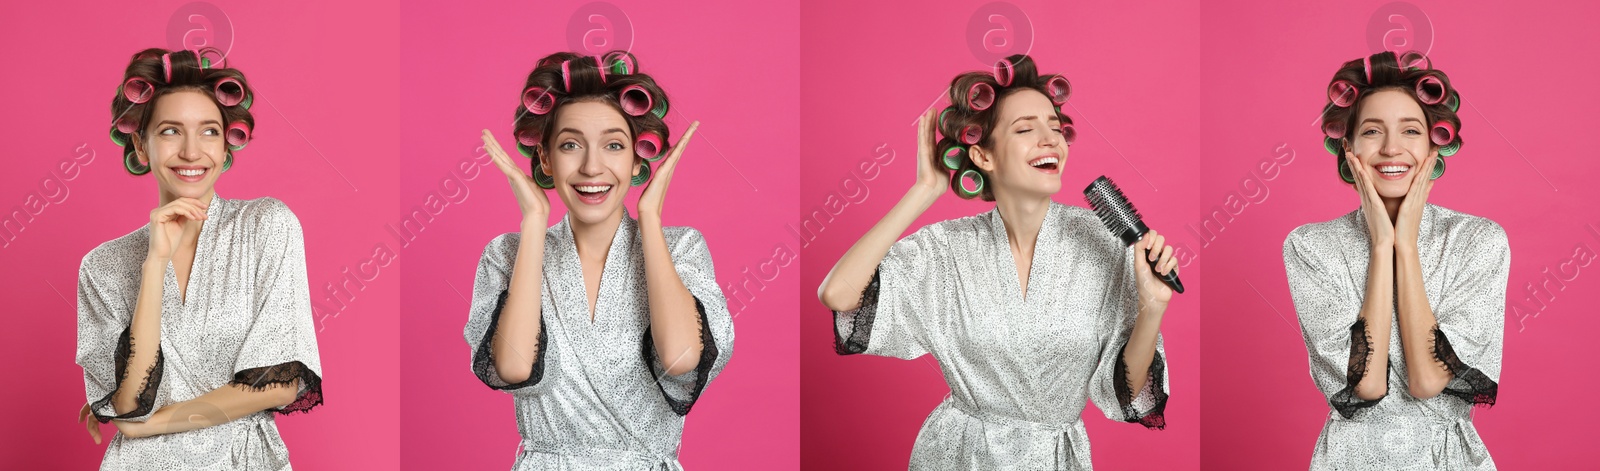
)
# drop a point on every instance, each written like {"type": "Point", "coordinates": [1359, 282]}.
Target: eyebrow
{"type": "Point", "coordinates": [1019, 119]}
{"type": "Point", "coordinates": [1380, 121]}
{"type": "Point", "coordinates": [168, 121]}
{"type": "Point", "coordinates": [580, 133]}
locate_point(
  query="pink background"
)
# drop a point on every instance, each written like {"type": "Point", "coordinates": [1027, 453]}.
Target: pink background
{"type": "Point", "coordinates": [730, 65]}
{"type": "Point", "coordinates": [1524, 75]}
{"type": "Point", "coordinates": [323, 147]}
{"type": "Point", "coordinates": [869, 70]}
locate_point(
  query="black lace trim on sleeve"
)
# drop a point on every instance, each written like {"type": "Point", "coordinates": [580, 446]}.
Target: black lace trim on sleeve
{"type": "Point", "coordinates": [1466, 383]}
{"type": "Point", "coordinates": [483, 357]}
{"type": "Point", "coordinates": [860, 322]}
{"type": "Point", "coordinates": [147, 391]}
{"type": "Point", "coordinates": [702, 370]}
{"type": "Point", "coordinates": [1345, 401]}
{"type": "Point", "coordinates": [261, 378]}
{"type": "Point", "coordinates": [1156, 419]}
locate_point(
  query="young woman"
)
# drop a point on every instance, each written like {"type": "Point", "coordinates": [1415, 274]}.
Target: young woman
{"type": "Point", "coordinates": [605, 328]}
{"type": "Point", "coordinates": [1401, 302]}
{"type": "Point", "coordinates": [1032, 308]}
{"type": "Point", "coordinates": [195, 330]}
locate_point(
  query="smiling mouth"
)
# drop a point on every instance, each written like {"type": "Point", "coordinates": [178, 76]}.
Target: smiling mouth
{"type": "Point", "coordinates": [1047, 163]}
{"type": "Point", "coordinates": [592, 194]}
{"type": "Point", "coordinates": [1392, 171]}
{"type": "Point", "coordinates": [190, 174]}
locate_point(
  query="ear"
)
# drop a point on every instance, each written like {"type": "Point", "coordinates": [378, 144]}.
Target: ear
{"type": "Point", "coordinates": [638, 166]}
{"type": "Point", "coordinates": [543, 157]}
{"type": "Point", "coordinates": [981, 158]}
{"type": "Point", "coordinates": [138, 148]}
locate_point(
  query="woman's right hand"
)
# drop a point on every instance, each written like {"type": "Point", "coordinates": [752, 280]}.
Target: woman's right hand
{"type": "Point", "coordinates": [931, 176]}
{"type": "Point", "coordinates": [1378, 224]}
{"type": "Point", "coordinates": [167, 224]}
{"type": "Point", "coordinates": [535, 205]}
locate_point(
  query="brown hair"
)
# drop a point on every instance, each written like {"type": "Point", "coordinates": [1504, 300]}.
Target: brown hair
{"type": "Point", "coordinates": [1410, 72]}
{"type": "Point", "coordinates": [154, 73]}
{"type": "Point", "coordinates": [977, 112]}
{"type": "Point", "coordinates": [612, 78]}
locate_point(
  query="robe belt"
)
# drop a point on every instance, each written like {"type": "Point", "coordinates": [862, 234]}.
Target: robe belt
{"type": "Point", "coordinates": [1063, 443]}
{"type": "Point", "coordinates": [655, 462]}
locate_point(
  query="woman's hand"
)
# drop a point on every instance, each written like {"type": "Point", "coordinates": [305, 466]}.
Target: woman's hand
{"type": "Point", "coordinates": [530, 198]}
{"type": "Point", "coordinates": [167, 225]}
{"type": "Point", "coordinates": [1378, 224]}
{"type": "Point", "coordinates": [1153, 293]}
{"type": "Point", "coordinates": [1409, 220]}
{"type": "Point", "coordinates": [86, 417]}
{"type": "Point", "coordinates": [654, 195]}
{"type": "Point", "coordinates": [931, 177]}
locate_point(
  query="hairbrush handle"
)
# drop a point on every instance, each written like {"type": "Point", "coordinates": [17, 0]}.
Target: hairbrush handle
{"type": "Point", "coordinates": [1124, 221]}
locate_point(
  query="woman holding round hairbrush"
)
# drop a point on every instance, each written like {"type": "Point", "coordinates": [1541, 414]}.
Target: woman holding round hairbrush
{"type": "Point", "coordinates": [1032, 308]}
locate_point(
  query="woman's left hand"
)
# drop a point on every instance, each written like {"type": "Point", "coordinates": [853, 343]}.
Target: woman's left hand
{"type": "Point", "coordinates": [86, 417]}
{"type": "Point", "coordinates": [1153, 293]}
{"type": "Point", "coordinates": [650, 202]}
{"type": "Point", "coordinates": [1408, 222]}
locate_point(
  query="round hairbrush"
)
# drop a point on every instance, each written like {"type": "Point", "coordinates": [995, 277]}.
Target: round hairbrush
{"type": "Point", "coordinates": [1123, 220]}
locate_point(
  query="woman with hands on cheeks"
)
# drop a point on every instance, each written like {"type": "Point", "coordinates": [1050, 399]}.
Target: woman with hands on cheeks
{"type": "Point", "coordinates": [1032, 308]}
{"type": "Point", "coordinates": [606, 329]}
{"type": "Point", "coordinates": [196, 329]}
{"type": "Point", "coordinates": [1401, 303]}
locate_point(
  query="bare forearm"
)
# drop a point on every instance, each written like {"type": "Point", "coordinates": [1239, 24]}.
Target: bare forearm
{"type": "Point", "coordinates": [1376, 311]}
{"type": "Point", "coordinates": [674, 321]}
{"type": "Point", "coordinates": [516, 342]}
{"type": "Point", "coordinates": [841, 289]}
{"type": "Point", "coordinates": [144, 335]}
{"type": "Point", "coordinates": [1425, 375]}
{"type": "Point", "coordinates": [1140, 351]}
{"type": "Point", "coordinates": [221, 405]}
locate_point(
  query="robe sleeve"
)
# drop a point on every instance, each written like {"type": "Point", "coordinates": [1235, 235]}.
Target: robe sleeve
{"type": "Point", "coordinates": [104, 350]}
{"type": "Point", "coordinates": [489, 291]}
{"type": "Point", "coordinates": [1337, 340]}
{"type": "Point", "coordinates": [1471, 316]}
{"type": "Point", "coordinates": [897, 304]}
{"type": "Point", "coordinates": [692, 259]}
{"type": "Point", "coordinates": [1112, 392]}
{"type": "Point", "coordinates": [281, 343]}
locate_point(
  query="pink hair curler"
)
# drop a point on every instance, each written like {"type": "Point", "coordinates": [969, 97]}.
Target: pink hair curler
{"type": "Point", "coordinates": [1366, 66]}
{"type": "Point", "coordinates": [1430, 90]}
{"type": "Point", "coordinates": [648, 146]}
{"type": "Point", "coordinates": [635, 100]}
{"type": "Point", "coordinates": [229, 91]}
{"type": "Point", "coordinates": [238, 135]}
{"type": "Point", "coordinates": [1442, 133]}
{"type": "Point", "coordinates": [127, 125]}
{"type": "Point", "coordinates": [1414, 59]}
{"type": "Point", "coordinates": [1343, 93]}
{"type": "Point", "coordinates": [537, 100]}
{"type": "Point", "coordinates": [566, 76]}
{"type": "Point", "coordinates": [1058, 88]}
{"type": "Point", "coordinates": [980, 96]}
{"type": "Point", "coordinates": [528, 137]}
{"type": "Point", "coordinates": [137, 90]}
{"type": "Point", "coordinates": [1004, 73]}
{"type": "Point", "coordinates": [166, 66]}
{"type": "Point", "coordinates": [971, 134]}
{"type": "Point", "coordinates": [598, 65]}
{"type": "Point", "coordinates": [1069, 134]}
{"type": "Point", "coordinates": [1334, 129]}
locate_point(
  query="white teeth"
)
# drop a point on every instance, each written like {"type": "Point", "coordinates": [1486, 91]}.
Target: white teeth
{"type": "Point", "coordinates": [195, 172]}
{"type": "Point", "coordinates": [1393, 168]}
{"type": "Point", "coordinates": [592, 188]}
{"type": "Point", "coordinates": [1045, 161]}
